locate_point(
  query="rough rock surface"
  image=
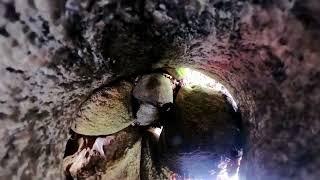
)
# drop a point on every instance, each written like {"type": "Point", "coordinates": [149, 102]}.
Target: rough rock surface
{"type": "Point", "coordinates": [105, 112]}
{"type": "Point", "coordinates": [206, 132]}
{"type": "Point", "coordinates": [147, 114]}
{"type": "Point", "coordinates": [155, 89]}
{"type": "Point", "coordinates": [120, 160]}
{"type": "Point", "coordinates": [206, 120]}
{"type": "Point", "coordinates": [55, 53]}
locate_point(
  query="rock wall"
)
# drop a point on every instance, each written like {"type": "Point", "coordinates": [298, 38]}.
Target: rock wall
{"type": "Point", "coordinates": [55, 53]}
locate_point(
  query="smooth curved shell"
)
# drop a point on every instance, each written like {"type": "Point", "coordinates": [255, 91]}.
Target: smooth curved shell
{"type": "Point", "coordinates": [155, 89]}
{"type": "Point", "coordinates": [106, 112]}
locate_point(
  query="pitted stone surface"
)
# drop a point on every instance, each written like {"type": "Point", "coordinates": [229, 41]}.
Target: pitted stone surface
{"type": "Point", "coordinates": [121, 159]}
{"type": "Point", "coordinates": [105, 112]}
{"type": "Point", "coordinates": [205, 132]}
{"type": "Point", "coordinates": [54, 54]}
{"type": "Point", "coordinates": [199, 111]}
{"type": "Point", "coordinates": [155, 89]}
{"type": "Point", "coordinates": [147, 114]}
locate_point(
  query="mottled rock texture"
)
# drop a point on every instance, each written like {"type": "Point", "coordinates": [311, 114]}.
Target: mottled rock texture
{"type": "Point", "coordinates": [105, 112]}
{"type": "Point", "coordinates": [119, 158]}
{"type": "Point", "coordinates": [203, 135]}
{"type": "Point", "coordinates": [147, 114]}
{"type": "Point", "coordinates": [55, 53]}
{"type": "Point", "coordinates": [206, 120]}
{"type": "Point", "coordinates": [154, 89]}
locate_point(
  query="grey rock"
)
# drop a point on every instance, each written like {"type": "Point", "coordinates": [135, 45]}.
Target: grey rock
{"type": "Point", "coordinates": [155, 89]}
{"type": "Point", "coordinates": [266, 53]}
{"type": "Point", "coordinates": [105, 157]}
{"type": "Point", "coordinates": [147, 114]}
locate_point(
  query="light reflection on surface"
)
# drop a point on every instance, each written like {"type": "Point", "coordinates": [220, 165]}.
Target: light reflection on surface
{"type": "Point", "coordinates": [198, 166]}
{"type": "Point", "coordinates": [156, 131]}
{"type": "Point", "coordinates": [203, 166]}
{"type": "Point", "coordinates": [192, 77]}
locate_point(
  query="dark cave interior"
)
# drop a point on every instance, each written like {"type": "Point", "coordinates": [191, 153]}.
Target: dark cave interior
{"type": "Point", "coordinates": [60, 59]}
{"type": "Point", "coordinates": [189, 124]}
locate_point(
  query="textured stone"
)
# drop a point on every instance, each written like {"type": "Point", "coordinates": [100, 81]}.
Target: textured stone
{"type": "Point", "coordinates": [206, 119]}
{"type": "Point", "coordinates": [150, 166]}
{"type": "Point", "coordinates": [105, 112]}
{"type": "Point", "coordinates": [120, 161]}
{"type": "Point", "coordinates": [147, 114]}
{"type": "Point", "coordinates": [155, 89]}
{"type": "Point", "coordinates": [265, 52]}
{"type": "Point", "coordinates": [205, 133]}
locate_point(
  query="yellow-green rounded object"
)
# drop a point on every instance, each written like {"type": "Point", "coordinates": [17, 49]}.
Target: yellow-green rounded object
{"type": "Point", "coordinates": [177, 73]}
{"type": "Point", "coordinates": [105, 112]}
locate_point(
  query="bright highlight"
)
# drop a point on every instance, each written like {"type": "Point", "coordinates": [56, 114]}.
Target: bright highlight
{"type": "Point", "coordinates": [192, 77]}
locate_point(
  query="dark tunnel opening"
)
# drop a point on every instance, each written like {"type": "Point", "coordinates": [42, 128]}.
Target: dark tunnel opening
{"type": "Point", "coordinates": [189, 124]}
{"type": "Point", "coordinates": [60, 62]}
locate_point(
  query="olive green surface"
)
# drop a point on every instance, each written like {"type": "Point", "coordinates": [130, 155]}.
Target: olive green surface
{"type": "Point", "coordinates": [205, 118]}
{"type": "Point", "coordinates": [105, 112]}
{"type": "Point", "coordinates": [127, 167]}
